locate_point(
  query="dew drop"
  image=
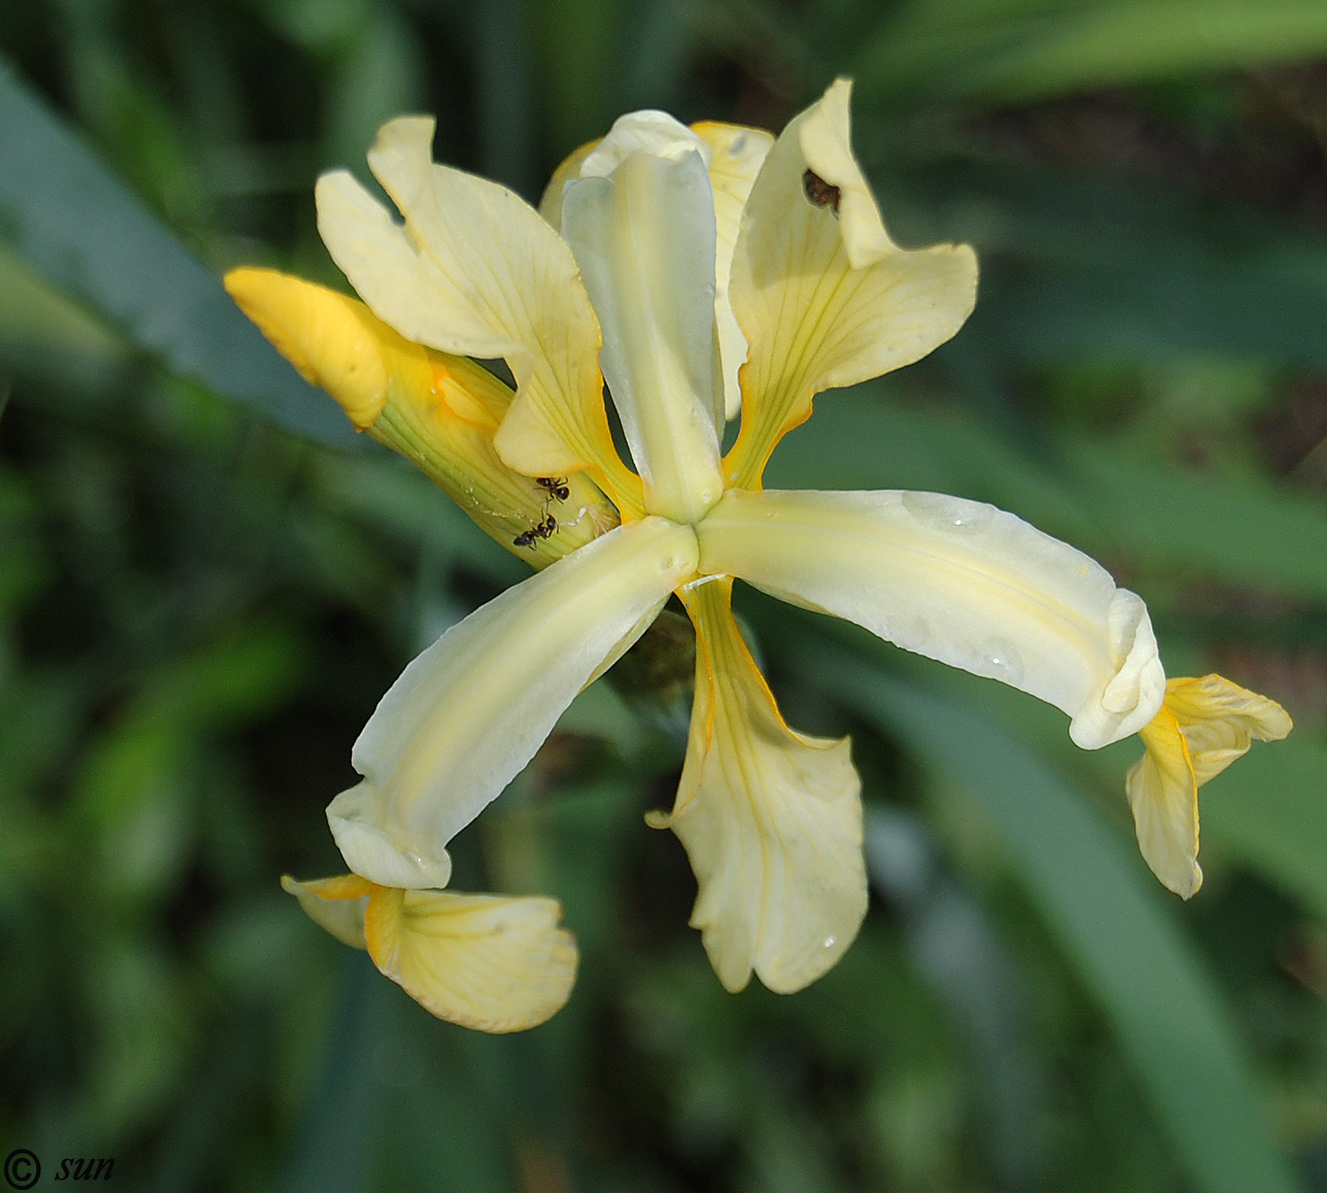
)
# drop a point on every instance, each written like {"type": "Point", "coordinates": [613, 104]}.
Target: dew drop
{"type": "Point", "coordinates": [949, 513]}
{"type": "Point", "coordinates": [831, 941]}
{"type": "Point", "coordinates": [1003, 661]}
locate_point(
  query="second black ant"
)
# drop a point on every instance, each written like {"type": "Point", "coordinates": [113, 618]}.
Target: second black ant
{"type": "Point", "coordinates": [544, 530]}
{"type": "Point", "coordinates": [557, 490]}
{"type": "Point", "coordinates": [554, 486]}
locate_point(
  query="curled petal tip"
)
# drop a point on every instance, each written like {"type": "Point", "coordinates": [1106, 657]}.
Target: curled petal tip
{"type": "Point", "coordinates": [371, 847]}
{"type": "Point", "coordinates": [487, 962]}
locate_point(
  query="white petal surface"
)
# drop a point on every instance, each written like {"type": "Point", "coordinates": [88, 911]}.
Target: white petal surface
{"type": "Point", "coordinates": [736, 154]}
{"type": "Point", "coordinates": [958, 581]}
{"type": "Point", "coordinates": [771, 820]}
{"type": "Point", "coordinates": [468, 714]}
{"type": "Point", "coordinates": [491, 963]}
{"type": "Point", "coordinates": [649, 132]}
{"type": "Point", "coordinates": [823, 296]}
{"type": "Point", "coordinates": [475, 271]}
{"type": "Point", "coordinates": [643, 233]}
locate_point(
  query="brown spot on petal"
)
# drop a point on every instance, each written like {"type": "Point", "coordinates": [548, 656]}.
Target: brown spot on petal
{"type": "Point", "coordinates": [819, 191]}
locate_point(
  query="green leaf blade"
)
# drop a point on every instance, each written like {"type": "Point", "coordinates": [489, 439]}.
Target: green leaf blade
{"type": "Point", "coordinates": [1143, 973]}
{"type": "Point", "coordinates": [74, 222]}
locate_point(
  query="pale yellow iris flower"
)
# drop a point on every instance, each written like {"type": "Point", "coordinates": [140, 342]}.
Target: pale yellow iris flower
{"type": "Point", "coordinates": [701, 272]}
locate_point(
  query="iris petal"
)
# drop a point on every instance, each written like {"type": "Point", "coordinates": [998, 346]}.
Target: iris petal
{"type": "Point", "coordinates": [474, 271]}
{"type": "Point", "coordinates": [823, 296]}
{"type": "Point", "coordinates": [641, 223]}
{"type": "Point", "coordinates": [470, 712]}
{"type": "Point", "coordinates": [489, 962]}
{"type": "Point", "coordinates": [958, 581]}
{"type": "Point", "coordinates": [483, 961]}
{"type": "Point", "coordinates": [334, 904]}
{"type": "Point", "coordinates": [771, 820]}
{"type": "Point", "coordinates": [1204, 725]}
{"type": "Point", "coordinates": [738, 153]}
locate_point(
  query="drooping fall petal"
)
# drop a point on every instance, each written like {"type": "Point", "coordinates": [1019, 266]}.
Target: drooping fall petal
{"type": "Point", "coordinates": [483, 961]}
{"type": "Point", "coordinates": [472, 709]}
{"type": "Point", "coordinates": [1203, 726]}
{"type": "Point", "coordinates": [771, 820]}
{"type": "Point", "coordinates": [489, 962]}
{"type": "Point", "coordinates": [821, 293]}
{"type": "Point", "coordinates": [474, 271]}
{"type": "Point", "coordinates": [958, 581]}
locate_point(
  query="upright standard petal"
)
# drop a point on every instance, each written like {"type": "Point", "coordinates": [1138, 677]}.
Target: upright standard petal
{"type": "Point", "coordinates": [958, 581]}
{"type": "Point", "coordinates": [1203, 726]}
{"type": "Point", "coordinates": [471, 711]}
{"type": "Point", "coordinates": [738, 153]}
{"type": "Point", "coordinates": [640, 221]}
{"type": "Point", "coordinates": [474, 271]}
{"type": "Point", "coordinates": [823, 296]}
{"type": "Point", "coordinates": [488, 962]}
{"type": "Point", "coordinates": [771, 820]}
{"type": "Point", "coordinates": [438, 410]}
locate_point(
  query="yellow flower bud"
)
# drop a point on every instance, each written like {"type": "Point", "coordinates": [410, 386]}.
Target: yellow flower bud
{"type": "Point", "coordinates": [439, 411]}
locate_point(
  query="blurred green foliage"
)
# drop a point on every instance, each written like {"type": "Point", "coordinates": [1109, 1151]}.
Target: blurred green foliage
{"type": "Point", "coordinates": [205, 585]}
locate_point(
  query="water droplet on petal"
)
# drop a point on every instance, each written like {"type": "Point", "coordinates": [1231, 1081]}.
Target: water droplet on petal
{"type": "Point", "coordinates": [831, 941]}
{"type": "Point", "coordinates": [1003, 660]}
{"type": "Point", "coordinates": [949, 513]}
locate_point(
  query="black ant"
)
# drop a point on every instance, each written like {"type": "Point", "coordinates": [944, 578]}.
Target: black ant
{"type": "Point", "coordinates": [557, 490]}
{"type": "Point", "coordinates": [544, 530]}
{"type": "Point", "coordinates": [555, 486]}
